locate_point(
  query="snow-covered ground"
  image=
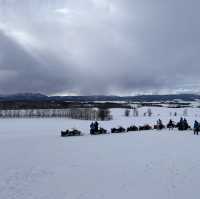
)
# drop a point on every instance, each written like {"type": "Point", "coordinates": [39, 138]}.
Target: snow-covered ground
{"type": "Point", "coordinates": [36, 163]}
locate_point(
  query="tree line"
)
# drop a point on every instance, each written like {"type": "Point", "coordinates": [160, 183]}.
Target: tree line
{"type": "Point", "coordinates": [73, 113]}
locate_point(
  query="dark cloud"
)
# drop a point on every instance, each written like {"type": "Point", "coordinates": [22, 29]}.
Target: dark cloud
{"type": "Point", "coordinates": [99, 47]}
{"type": "Point", "coordinates": [20, 71]}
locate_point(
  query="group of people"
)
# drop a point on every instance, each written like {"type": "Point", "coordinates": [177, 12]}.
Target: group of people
{"type": "Point", "coordinates": [94, 127]}
{"type": "Point", "coordinates": [183, 124]}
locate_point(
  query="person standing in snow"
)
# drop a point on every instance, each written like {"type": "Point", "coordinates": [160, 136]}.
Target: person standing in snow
{"type": "Point", "coordinates": [185, 124]}
{"type": "Point", "coordinates": [96, 126]}
{"type": "Point", "coordinates": [196, 128]}
{"type": "Point", "coordinates": [181, 125]}
{"type": "Point", "coordinates": [92, 128]}
{"type": "Point", "coordinates": [159, 124]}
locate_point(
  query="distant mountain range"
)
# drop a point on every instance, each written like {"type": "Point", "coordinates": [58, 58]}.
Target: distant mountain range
{"type": "Point", "coordinates": [139, 98]}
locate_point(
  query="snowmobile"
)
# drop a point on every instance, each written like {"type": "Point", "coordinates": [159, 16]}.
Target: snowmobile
{"type": "Point", "coordinates": [118, 130]}
{"type": "Point", "coordinates": [182, 127]}
{"type": "Point", "coordinates": [132, 128]}
{"type": "Point", "coordinates": [159, 127]}
{"type": "Point", "coordinates": [99, 132]}
{"type": "Point", "coordinates": [171, 125]}
{"type": "Point", "coordinates": [145, 127]}
{"type": "Point", "coordinates": [73, 132]}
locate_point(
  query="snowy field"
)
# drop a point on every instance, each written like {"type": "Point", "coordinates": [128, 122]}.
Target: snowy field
{"type": "Point", "coordinates": [36, 163]}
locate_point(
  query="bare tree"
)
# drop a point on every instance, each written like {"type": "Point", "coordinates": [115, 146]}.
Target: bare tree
{"type": "Point", "coordinates": [75, 113]}
{"type": "Point", "coordinates": [104, 114]}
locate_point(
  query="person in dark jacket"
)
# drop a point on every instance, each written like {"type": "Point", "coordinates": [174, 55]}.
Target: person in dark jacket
{"type": "Point", "coordinates": [181, 125]}
{"type": "Point", "coordinates": [92, 128]}
{"type": "Point", "coordinates": [170, 125]}
{"type": "Point", "coordinates": [185, 124]}
{"type": "Point", "coordinates": [96, 126]}
{"type": "Point", "coordinates": [196, 128]}
{"type": "Point", "coordinates": [160, 124]}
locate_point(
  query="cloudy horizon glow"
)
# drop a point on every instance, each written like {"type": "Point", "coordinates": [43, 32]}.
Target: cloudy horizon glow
{"type": "Point", "coordinates": [99, 46]}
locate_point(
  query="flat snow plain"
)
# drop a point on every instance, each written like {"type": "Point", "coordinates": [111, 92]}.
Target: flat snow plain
{"type": "Point", "coordinates": [36, 163]}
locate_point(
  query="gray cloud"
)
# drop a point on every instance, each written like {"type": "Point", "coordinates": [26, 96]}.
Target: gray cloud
{"type": "Point", "coordinates": [99, 47]}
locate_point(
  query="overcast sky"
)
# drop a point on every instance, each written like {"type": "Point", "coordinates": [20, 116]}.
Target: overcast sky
{"type": "Point", "coordinates": [99, 46]}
